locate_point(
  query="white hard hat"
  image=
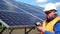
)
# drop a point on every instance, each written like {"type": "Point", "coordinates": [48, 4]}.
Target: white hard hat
{"type": "Point", "coordinates": [49, 6]}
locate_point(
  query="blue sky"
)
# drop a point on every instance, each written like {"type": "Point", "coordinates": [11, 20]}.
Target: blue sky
{"type": "Point", "coordinates": [42, 3]}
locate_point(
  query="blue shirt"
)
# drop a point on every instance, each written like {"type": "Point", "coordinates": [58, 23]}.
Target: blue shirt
{"type": "Point", "coordinates": [56, 29]}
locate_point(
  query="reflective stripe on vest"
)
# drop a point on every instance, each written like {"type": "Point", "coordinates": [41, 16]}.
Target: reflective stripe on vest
{"type": "Point", "coordinates": [50, 25]}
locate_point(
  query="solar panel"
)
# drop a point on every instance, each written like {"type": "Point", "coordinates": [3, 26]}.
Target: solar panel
{"type": "Point", "coordinates": [14, 14]}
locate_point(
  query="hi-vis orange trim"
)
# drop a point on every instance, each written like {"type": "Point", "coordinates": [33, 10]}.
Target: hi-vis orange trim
{"type": "Point", "coordinates": [50, 25]}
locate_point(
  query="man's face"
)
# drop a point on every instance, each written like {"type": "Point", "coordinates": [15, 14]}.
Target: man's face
{"type": "Point", "coordinates": [51, 14]}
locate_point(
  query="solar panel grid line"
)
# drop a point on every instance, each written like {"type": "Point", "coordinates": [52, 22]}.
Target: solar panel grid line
{"type": "Point", "coordinates": [13, 19]}
{"type": "Point", "coordinates": [16, 12]}
{"type": "Point", "coordinates": [7, 5]}
{"type": "Point", "coordinates": [24, 10]}
{"type": "Point", "coordinates": [37, 7]}
{"type": "Point", "coordinates": [6, 13]}
{"type": "Point", "coordinates": [12, 11]}
{"type": "Point", "coordinates": [7, 19]}
{"type": "Point", "coordinates": [33, 15]}
{"type": "Point", "coordinates": [16, 17]}
{"type": "Point", "coordinates": [11, 23]}
{"type": "Point", "coordinates": [3, 6]}
{"type": "Point", "coordinates": [30, 7]}
{"type": "Point", "coordinates": [27, 12]}
{"type": "Point", "coordinates": [34, 8]}
{"type": "Point", "coordinates": [30, 10]}
{"type": "Point", "coordinates": [3, 3]}
{"type": "Point", "coordinates": [30, 14]}
{"type": "Point", "coordinates": [20, 25]}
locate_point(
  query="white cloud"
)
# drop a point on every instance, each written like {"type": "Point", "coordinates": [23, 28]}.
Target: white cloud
{"type": "Point", "coordinates": [42, 5]}
{"type": "Point", "coordinates": [41, 0]}
{"type": "Point", "coordinates": [57, 4]}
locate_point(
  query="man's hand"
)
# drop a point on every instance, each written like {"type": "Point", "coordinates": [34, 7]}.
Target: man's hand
{"type": "Point", "coordinates": [38, 24]}
{"type": "Point", "coordinates": [39, 27]}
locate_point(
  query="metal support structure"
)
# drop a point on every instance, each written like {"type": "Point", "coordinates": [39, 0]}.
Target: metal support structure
{"type": "Point", "coordinates": [26, 32]}
{"type": "Point", "coordinates": [11, 31]}
{"type": "Point", "coordinates": [2, 30]}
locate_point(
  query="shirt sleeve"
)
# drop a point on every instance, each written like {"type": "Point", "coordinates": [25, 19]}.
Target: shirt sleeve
{"type": "Point", "coordinates": [56, 29]}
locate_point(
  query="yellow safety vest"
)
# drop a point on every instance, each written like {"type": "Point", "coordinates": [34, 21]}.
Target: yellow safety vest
{"type": "Point", "coordinates": [49, 27]}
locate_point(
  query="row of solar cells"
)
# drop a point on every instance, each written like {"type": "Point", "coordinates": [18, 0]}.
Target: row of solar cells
{"type": "Point", "coordinates": [17, 18]}
{"type": "Point", "coordinates": [20, 6]}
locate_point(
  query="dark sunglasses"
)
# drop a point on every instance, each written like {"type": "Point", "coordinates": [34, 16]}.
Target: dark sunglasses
{"type": "Point", "coordinates": [47, 12]}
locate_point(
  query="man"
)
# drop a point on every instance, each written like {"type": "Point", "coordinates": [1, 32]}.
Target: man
{"type": "Point", "coordinates": [51, 24]}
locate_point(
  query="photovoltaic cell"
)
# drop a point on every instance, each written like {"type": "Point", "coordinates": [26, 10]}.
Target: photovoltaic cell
{"type": "Point", "coordinates": [25, 15]}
